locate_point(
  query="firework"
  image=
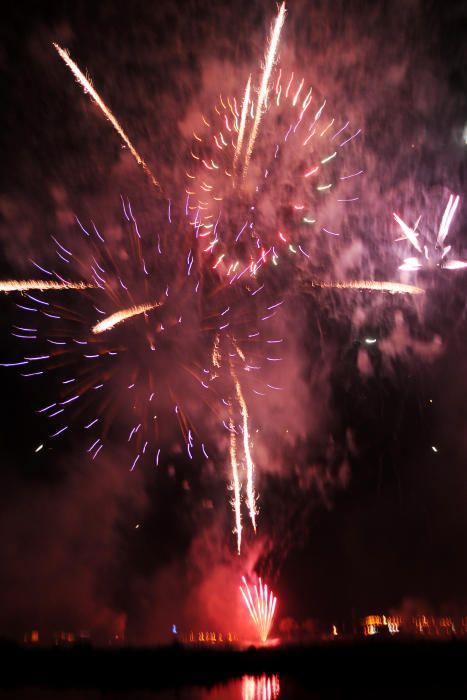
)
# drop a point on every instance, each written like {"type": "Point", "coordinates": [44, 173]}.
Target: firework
{"type": "Point", "coordinates": [41, 285]}
{"type": "Point", "coordinates": [264, 88]}
{"type": "Point", "coordinates": [149, 344]}
{"type": "Point", "coordinates": [262, 607]}
{"type": "Point", "coordinates": [236, 486]}
{"type": "Point", "coordinates": [434, 255]}
{"type": "Point", "coordinates": [301, 167]}
{"type": "Point", "coordinates": [88, 87]}
{"type": "Point", "coordinates": [243, 354]}
{"type": "Point", "coordinates": [251, 498]}
{"type": "Point", "coordinates": [150, 336]}
{"type": "Point", "coordinates": [120, 316]}
{"type": "Point", "coordinates": [113, 378]}
{"type": "Point", "coordinates": [241, 130]}
{"type": "Point", "coordinates": [367, 285]}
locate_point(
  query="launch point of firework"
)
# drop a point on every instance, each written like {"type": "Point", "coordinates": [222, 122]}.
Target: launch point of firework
{"type": "Point", "coordinates": [261, 604]}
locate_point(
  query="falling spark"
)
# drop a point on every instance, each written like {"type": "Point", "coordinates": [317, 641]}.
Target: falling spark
{"type": "Point", "coordinates": [262, 608]}
{"type": "Point", "coordinates": [88, 88]}
{"type": "Point", "coordinates": [119, 316]}
{"type": "Point", "coordinates": [263, 91]}
{"type": "Point", "coordinates": [41, 285]}
{"type": "Point", "coordinates": [216, 355]}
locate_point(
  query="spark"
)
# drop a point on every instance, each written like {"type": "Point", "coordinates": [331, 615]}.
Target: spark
{"type": "Point", "coordinates": [369, 285]}
{"type": "Point", "coordinates": [262, 608]}
{"type": "Point", "coordinates": [241, 131]}
{"type": "Point", "coordinates": [263, 91]}
{"type": "Point", "coordinates": [251, 497]}
{"type": "Point", "coordinates": [89, 88]}
{"type": "Point", "coordinates": [436, 257]}
{"type": "Point", "coordinates": [41, 285]}
{"type": "Point", "coordinates": [119, 316]}
{"type": "Point", "coordinates": [236, 502]}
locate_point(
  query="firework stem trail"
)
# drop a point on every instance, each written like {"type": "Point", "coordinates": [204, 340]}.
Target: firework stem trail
{"type": "Point", "coordinates": [119, 316]}
{"type": "Point", "coordinates": [369, 285]}
{"type": "Point", "coordinates": [263, 91]}
{"type": "Point", "coordinates": [250, 467]}
{"type": "Point", "coordinates": [447, 218]}
{"type": "Point", "coordinates": [236, 501]}
{"type": "Point", "coordinates": [89, 88]}
{"type": "Point", "coordinates": [241, 131]}
{"type": "Point", "coordinates": [41, 285]}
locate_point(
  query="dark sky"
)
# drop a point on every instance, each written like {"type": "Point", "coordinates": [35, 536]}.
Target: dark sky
{"type": "Point", "coordinates": [358, 513]}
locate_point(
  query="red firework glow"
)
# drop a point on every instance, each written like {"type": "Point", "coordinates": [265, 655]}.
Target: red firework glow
{"type": "Point", "coordinates": [262, 608]}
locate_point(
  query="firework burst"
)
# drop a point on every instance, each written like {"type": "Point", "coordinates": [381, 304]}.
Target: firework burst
{"type": "Point", "coordinates": [431, 254]}
{"type": "Point", "coordinates": [148, 343]}
{"type": "Point", "coordinates": [254, 206]}
{"type": "Point", "coordinates": [261, 606]}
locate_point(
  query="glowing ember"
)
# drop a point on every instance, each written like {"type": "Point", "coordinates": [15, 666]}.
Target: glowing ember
{"type": "Point", "coordinates": [262, 608]}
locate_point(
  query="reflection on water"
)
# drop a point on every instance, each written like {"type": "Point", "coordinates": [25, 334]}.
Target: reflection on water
{"type": "Point", "coordinates": [265, 687]}
{"type": "Point", "coordinates": [260, 687]}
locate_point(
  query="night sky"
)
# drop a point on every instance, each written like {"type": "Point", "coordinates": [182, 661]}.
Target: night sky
{"type": "Point", "coordinates": [357, 512]}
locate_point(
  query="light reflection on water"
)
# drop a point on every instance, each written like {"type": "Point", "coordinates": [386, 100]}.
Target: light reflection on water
{"type": "Point", "coordinates": [264, 687]}
{"type": "Point", "coordinates": [260, 687]}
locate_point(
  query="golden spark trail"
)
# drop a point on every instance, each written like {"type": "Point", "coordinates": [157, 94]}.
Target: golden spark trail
{"type": "Point", "coordinates": [216, 355]}
{"type": "Point", "coordinates": [263, 91]}
{"type": "Point", "coordinates": [241, 131]}
{"type": "Point", "coordinates": [41, 285]}
{"type": "Point", "coordinates": [369, 285]}
{"type": "Point", "coordinates": [262, 612]}
{"type": "Point", "coordinates": [119, 316]}
{"type": "Point", "coordinates": [250, 467]}
{"type": "Point", "coordinates": [88, 88]}
{"type": "Point", "coordinates": [236, 502]}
